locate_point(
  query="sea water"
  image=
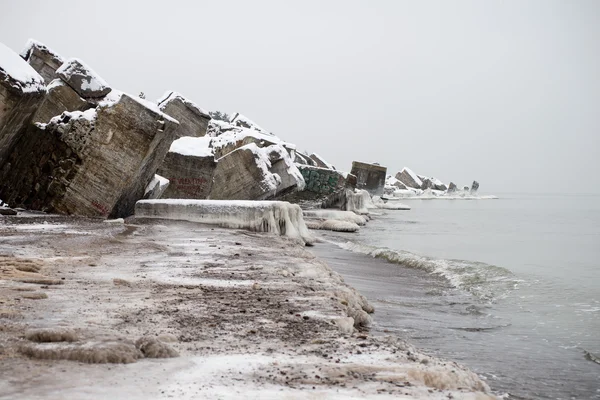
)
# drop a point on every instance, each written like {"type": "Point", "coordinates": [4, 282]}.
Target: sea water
{"type": "Point", "coordinates": [508, 287]}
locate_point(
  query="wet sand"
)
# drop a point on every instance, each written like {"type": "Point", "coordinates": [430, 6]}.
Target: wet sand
{"type": "Point", "coordinates": [248, 315]}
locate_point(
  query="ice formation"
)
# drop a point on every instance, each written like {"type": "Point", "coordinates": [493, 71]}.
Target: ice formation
{"type": "Point", "coordinates": [337, 215]}
{"type": "Point", "coordinates": [277, 217]}
{"type": "Point", "coordinates": [193, 146]}
{"type": "Point", "coordinates": [390, 204]}
{"type": "Point", "coordinates": [18, 73]}
{"type": "Point", "coordinates": [359, 201]}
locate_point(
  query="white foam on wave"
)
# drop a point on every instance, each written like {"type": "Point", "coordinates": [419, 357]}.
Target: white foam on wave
{"type": "Point", "coordinates": [485, 281]}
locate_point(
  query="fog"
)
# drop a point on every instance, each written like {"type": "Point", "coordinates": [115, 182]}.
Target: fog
{"type": "Point", "coordinates": [505, 92]}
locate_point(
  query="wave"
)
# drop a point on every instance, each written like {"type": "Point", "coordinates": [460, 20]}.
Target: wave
{"type": "Point", "coordinates": [486, 281]}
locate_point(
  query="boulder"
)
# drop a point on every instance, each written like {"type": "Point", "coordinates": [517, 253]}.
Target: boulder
{"type": "Point", "coordinates": [409, 178]}
{"type": "Point", "coordinates": [370, 177]}
{"type": "Point", "coordinates": [452, 187]}
{"type": "Point", "coordinates": [320, 161]}
{"type": "Point", "coordinates": [59, 98]}
{"type": "Point", "coordinates": [42, 59]}
{"type": "Point", "coordinates": [193, 120]}
{"type": "Point", "coordinates": [254, 173]}
{"type": "Point", "coordinates": [22, 91]}
{"type": "Point", "coordinates": [190, 167]}
{"type": "Point", "coordinates": [92, 163]}
{"type": "Point", "coordinates": [474, 187]}
{"type": "Point", "coordinates": [83, 79]}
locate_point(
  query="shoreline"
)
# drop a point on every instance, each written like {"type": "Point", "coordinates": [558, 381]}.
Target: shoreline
{"type": "Point", "coordinates": [247, 313]}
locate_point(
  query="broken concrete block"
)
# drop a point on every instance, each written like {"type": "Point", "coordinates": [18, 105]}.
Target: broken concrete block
{"type": "Point", "coordinates": [244, 122]}
{"type": "Point", "coordinates": [254, 173]}
{"type": "Point", "coordinates": [91, 163]}
{"type": "Point", "coordinates": [59, 98]}
{"type": "Point", "coordinates": [83, 79]}
{"type": "Point", "coordinates": [452, 187]}
{"type": "Point", "coordinates": [322, 180]}
{"type": "Point", "coordinates": [42, 59]}
{"type": "Point", "coordinates": [156, 188]}
{"type": "Point", "coordinates": [190, 166]}
{"type": "Point", "coordinates": [193, 120]}
{"type": "Point", "coordinates": [320, 161]}
{"type": "Point", "coordinates": [409, 178]}
{"type": "Point", "coordinates": [304, 159]}
{"type": "Point", "coordinates": [277, 217]}
{"type": "Point", "coordinates": [22, 90]}
{"type": "Point", "coordinates": [370, 177]}
{"type": "Point", "coordinates": [474, 187]}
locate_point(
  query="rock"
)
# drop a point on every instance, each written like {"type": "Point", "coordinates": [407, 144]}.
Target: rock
{"type": "Point", "coordinates": [370, 177]}
{"type": "Point", "coordinates": [409, 178]}
{"type": "Point", "coordinates": [426, 184]}
{"type": "Point", "coordinates": [452, 187]}
{"type": "Point", "coordinates": [93, 163]}
{"type": "Point", "coordinates": [42, 59]}
{"type": "Point", "coordinates": [254, 173]}
{"type": "Point", "coordinates": [304, 159]}
{"type": "Point", "coordinates": [190, 167]}
{"type": "Point", "coordinates": [7, 211]}
{"type": "Point", "coordinates": [466, 188]}
{"type": "Point", "coordinates": [320, 161]}
{"type": "Point", "coordinates": [83, 79]}
{"type": "Point", "coordinates": [59, 98]}
{"type": "Point", "coordinates": [193, 120]}
{"type": "Point", "coordinates": [21, 92]}
{"type": "Point", "coordinates": [474, 187]}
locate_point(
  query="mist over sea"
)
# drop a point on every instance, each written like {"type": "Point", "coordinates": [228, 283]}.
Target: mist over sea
{"type": "Point", "coordinates": [509, 287]}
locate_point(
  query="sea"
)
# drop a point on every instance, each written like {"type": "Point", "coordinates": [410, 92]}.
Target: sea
{"type": "Point", "coordinates": [509, 287]}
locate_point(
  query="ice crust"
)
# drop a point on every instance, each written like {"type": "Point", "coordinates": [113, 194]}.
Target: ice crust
{"type": "Point", "coordinates": [193, 146]}
{"type": "Point", "coordinates": [18, 73]}
{"type": "Point", "coordinates": [277, 217]}
{"type": "Point", "coordinates": [359, 201]}
{"type": "Point", "coordinates": [337, 215]}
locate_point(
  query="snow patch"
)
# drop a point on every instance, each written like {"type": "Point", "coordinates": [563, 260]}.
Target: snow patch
{"type": "Point", "coordinates": [193, 146]}
{"type": "Point", "coordinates": [18, 73]}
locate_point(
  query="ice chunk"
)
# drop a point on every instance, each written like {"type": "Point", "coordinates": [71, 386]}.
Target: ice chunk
{"type": "Point", "coordinates": [359, 201]}
{"type": "Point", "coordinates": [277, 217]}
{"type": "Point", "coordinates": [337, 215]}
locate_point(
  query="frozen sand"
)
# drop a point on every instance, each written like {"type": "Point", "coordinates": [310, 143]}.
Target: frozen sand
{"type": "Point", "coordinates": [251, 315]}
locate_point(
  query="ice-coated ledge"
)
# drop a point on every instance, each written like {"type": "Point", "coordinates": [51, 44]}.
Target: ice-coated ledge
{"type": "Point", "coordinates": [278, 217]}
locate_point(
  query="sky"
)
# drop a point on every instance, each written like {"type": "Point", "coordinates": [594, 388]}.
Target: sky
{"type": "Point", "coordinates": [504, 92]}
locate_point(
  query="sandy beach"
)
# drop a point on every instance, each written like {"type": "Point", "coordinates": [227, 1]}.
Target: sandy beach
{"type": "Point", "coordinates": [86, 305]}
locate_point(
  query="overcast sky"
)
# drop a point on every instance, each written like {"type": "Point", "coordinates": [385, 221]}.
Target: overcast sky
{"type": "Point", "coordinates": [505, 92]}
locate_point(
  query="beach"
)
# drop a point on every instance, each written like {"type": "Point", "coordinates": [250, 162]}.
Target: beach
{"type": "Point", "coordinates": [87, 305]}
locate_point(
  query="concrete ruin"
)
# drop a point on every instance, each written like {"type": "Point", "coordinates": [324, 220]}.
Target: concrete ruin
{"type": "Point", "coordinates": [370, 177]}
{"type": "Point", "coordinates": [92, 163]}
{"type": "Point", "coordinates": [190, 167]}
{"type": "Point", "coordinates": [193, 120]}
{"type": "Point", "coordinates": [59, 98]}
{"type": "Point", "coordinates": [42, 59]}
{"type": "Point", "coordinates": [254, 173]}
{"type": "Point", "coordinates": [83, 80]}
{"type": "Point", "coordinates": [21, 92]}
{"type": "Point", "coordinates": [474, 187]}
{"type": "Point", "coordinates": [409, 178]}
{"type": "Point", "coordinates": [452, 187]}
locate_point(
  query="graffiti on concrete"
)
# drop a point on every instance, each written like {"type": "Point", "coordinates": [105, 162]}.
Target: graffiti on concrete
{"type": "Point", "coordinates": [320, 180]}
{"type": "Point", "coordinates": [190, 186]}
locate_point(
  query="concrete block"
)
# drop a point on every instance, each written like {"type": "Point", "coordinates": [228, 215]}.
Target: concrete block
{"type": "Point", "coordinates": [370, 177]}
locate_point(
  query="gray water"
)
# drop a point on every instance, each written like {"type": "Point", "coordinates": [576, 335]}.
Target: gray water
{"type": "Point", "coordinates": [508, 287]}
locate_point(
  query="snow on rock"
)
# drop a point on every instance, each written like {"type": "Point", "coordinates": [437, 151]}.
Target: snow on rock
{"type": "Point", "coordinates": [321, 162]}
{"type": "Point", "coordinates": [33, 45]}
{"type": "Point", "coordinates": [42, 59]}
{"type": "Point", "coordinates": [277, 217]}
{"type": "Point", "coordinates": [245, 122]}
{"type": "Point", "coordinates": [86, 82]}
{"type": "Point", "coordinates": [156, 187]}
{"type": "Point", "coordinates": [409, 178]}
{"type": "Point", "coordinates": [337, 215]}
{"type": "Point", "coordinates": [170, 96]}
{"type": "Point", "coordinates": [115, 96]}
{"type": "Point", "coordinates": [17, 73]}
{"type": "Point", "coordinates": [193, 146]}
